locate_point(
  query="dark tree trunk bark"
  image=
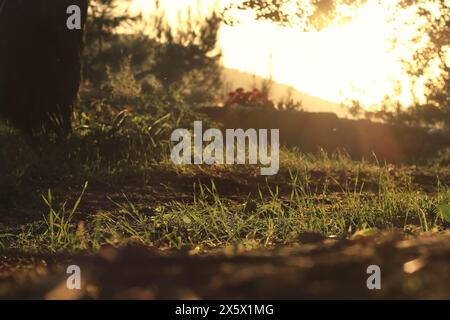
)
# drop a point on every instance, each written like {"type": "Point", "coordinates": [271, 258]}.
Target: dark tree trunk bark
{"type": "Point", "coordinates": [39, 63]}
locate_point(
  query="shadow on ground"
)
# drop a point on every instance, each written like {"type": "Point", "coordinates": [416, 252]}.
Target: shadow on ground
{"type": "Point", "coordinates": [414, 268]}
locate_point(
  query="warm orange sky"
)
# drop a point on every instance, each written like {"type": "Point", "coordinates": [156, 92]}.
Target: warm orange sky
{"type": "Point", "coordinates": [329, 64]}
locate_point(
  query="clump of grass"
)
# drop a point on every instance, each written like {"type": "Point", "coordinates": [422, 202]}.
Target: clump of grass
{"type": "Point", "coordinates": [265, 219]}
{"type": "Point", "coordinates": [57, 231]}
{"type": "Point", "coordinates": [59, 223]}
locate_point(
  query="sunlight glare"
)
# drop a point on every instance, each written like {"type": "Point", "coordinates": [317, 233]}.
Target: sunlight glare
{"type": "Point", "coordinates": [352, 60]}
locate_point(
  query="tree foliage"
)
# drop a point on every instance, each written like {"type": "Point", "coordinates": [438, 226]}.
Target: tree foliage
{"type": "Point", "coordinates": [188, 58]}
{"type": "Point", "coordinates": [428, 66]}
{"type": "Point", "coordinates": [304, 13]}
{"type": "Point", "coordinates": [435, 32]}
{"type": "Point", "coordinates": [101, 39]}
{"type": "Point", "coordinates": [160, 57]}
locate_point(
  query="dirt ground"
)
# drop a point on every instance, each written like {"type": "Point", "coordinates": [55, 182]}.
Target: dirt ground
{"type": "Point", "coordinates": [411, 268]}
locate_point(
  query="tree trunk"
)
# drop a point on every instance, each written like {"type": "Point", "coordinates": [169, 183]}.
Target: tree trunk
{"type": "Point", "coordinates": [39, 63]}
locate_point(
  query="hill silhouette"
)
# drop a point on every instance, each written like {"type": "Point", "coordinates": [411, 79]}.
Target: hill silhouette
{"type": "Point", "coordinates": [237, 78]}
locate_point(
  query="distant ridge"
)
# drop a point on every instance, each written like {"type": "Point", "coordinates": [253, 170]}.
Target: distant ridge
{"type": "Point", "coordinates": [311, 103]}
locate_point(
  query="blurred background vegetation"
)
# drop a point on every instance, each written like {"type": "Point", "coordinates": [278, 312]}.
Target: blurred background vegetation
{"type": "Point", "coordinates": [187, 61]}
{"type": "Point", "coordinates": [138, 86]}
{"type": "Point", "coordinates": [183, 61]}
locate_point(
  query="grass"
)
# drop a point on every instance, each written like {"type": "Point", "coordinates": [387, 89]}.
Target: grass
{"type": "Point", "coordinates": [206, 206]}
{"type": "Point", "coordinates": [58, 223]}
{"type": "Point", "coordinates": [210, 220]}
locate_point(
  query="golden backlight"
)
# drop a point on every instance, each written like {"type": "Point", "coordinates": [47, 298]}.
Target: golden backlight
{"type": "Point", "coordinates": [354, 60]}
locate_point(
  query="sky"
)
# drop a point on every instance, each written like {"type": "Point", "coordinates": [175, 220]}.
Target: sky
{"type": "Point", "coordinates": [341, 62]}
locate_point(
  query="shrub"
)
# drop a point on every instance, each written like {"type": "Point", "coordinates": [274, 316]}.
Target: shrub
{"type": "Point", "coordinates": [253, 98]}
